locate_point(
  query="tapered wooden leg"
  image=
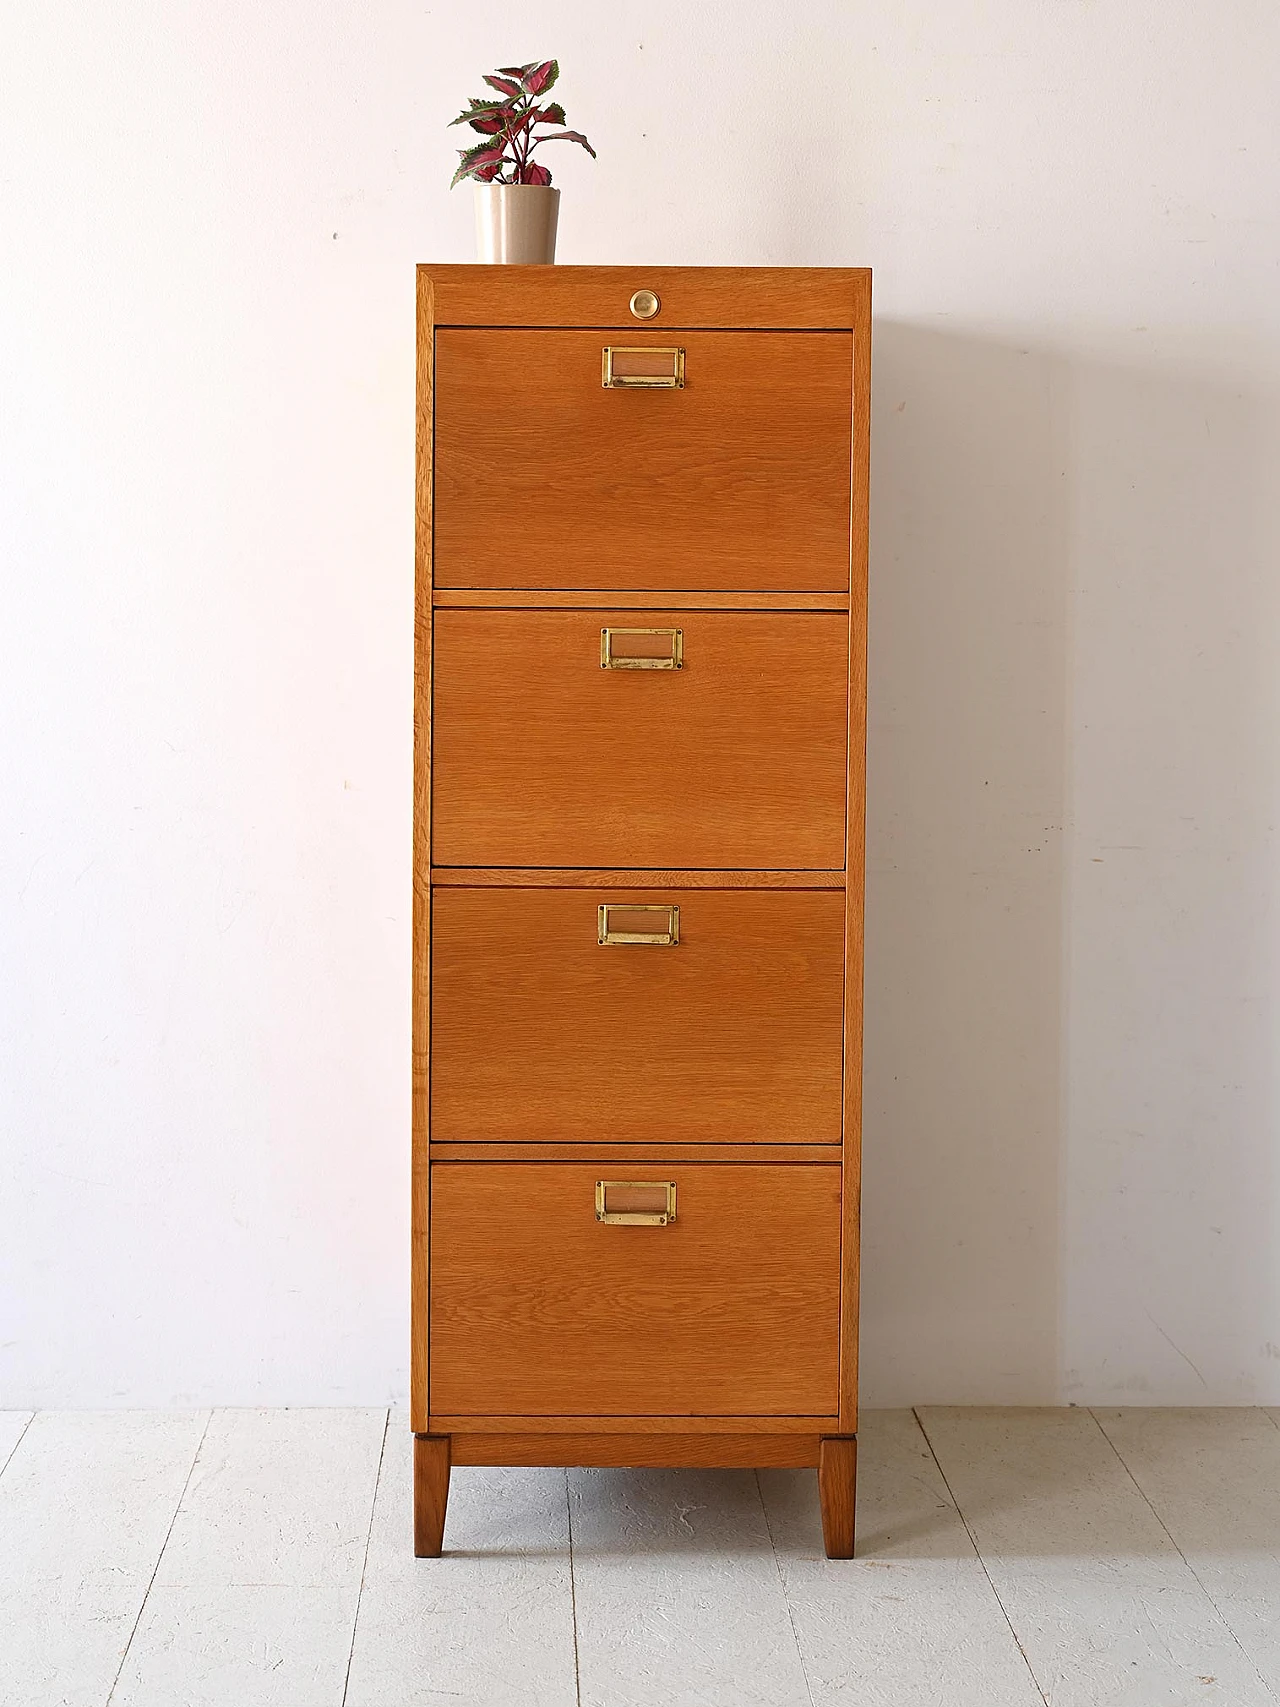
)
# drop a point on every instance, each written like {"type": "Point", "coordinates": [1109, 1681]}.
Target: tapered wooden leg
{"type": "Point", "coordinates": [837, 1483]}
{"type": "Point", "coordinates": [430, 1493]}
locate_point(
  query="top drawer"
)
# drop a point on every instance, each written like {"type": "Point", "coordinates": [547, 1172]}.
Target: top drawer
{"type": "Point", "coordinates": [737, 481]}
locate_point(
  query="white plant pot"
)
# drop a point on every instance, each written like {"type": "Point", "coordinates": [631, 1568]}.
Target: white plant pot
{"type": "Point", "coordinates": [516, 223]}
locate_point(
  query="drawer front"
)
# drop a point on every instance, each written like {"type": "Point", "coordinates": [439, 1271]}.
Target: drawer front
{"type": "Point", "coordinates": [739, 479]}
{"type": "Point", "coordinates": [542, 757]}
{"type": "Point", "coordinates": [541, 1034]}
{"type": "Point", "coordinates": [537, 1308]}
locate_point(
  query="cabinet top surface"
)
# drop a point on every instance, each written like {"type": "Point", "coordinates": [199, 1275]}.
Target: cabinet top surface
{"type": "Point", "coordinates": [785, 298]}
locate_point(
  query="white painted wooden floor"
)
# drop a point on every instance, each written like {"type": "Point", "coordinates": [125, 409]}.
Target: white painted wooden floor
{"type": "Point", "coordinates": [1006, 1557]}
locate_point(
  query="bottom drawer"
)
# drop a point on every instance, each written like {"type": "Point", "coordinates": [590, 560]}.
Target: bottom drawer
{"type": "Point", "coordinates": [539, 1308]}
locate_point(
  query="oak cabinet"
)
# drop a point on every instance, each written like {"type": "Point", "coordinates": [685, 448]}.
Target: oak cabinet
{"type": "Point", "coordinates": [638, 856]}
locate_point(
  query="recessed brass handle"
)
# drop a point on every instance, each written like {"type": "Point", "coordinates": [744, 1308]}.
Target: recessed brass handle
{"type": "Point", "coordinates": [647, 368]}
{"type": "Point", "coordinates": [636, 1203]}
{"type": "Point", "coordinates": [619, 924]}
{"type": "Point", "coordinates": [636, 649]}
{"type": "Point", "coordinates": [644, 304]}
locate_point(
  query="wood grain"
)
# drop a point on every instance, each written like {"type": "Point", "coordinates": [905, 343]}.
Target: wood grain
{"type": "Point", "coordinates": [641, 1451]}
{"type": "Point", "coordinates": [507, 1424]}
{"type": "Point", "coordinates": [738, 481]}
{"type": "Point", "coordinates": [430, 1493]}
{"type": "Point", "coordinates": [855, 842]}
{"type": "Point", "coordinates": [542, 758]}
{"type": "Point", "coordinates": [420, 945]}
{"type": "Point", "coordinates": [556, 877]}
{"type": "Point", "coordinates": [733, 1036]}
{"type": "Point", "coordinates": [655, 1154]}
{"type": "Point", "coordinates": [802, 298]}
{"type": "Point", "coordinates": [539, 1309]}
{"type": "Point", "coordinates": [837, 1489]}
{"type": "Point", "coordinates": [550, 598]}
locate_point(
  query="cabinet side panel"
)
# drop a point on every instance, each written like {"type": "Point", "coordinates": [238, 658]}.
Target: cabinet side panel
{"type": "Point", "coordinates": [855, 862]}
{"type": "Point", "coordinates": [420, 974]}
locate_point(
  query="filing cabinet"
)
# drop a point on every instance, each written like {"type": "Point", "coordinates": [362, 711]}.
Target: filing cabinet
{"type": "Point", "coordinates": [637, 872]}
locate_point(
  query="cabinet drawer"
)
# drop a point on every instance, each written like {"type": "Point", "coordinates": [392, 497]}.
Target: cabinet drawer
{"type": "Point", "coordinates": [739, 479]}
{"type": "Point", "coordinates": [542, 757]}
{"type": "Point", "coordinates": [539, 1033]}
{"type": "Point", "coordinates": [539, 1309]}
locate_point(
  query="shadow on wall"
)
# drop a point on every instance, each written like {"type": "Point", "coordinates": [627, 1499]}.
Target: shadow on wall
{"type": "Point", "coordinates": [966, 788]}
{"type": "Point", "coordinates": [1066, 1060]}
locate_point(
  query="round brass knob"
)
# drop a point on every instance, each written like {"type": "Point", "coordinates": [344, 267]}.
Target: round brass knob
{"type": "Point", "coordinates": [645, 304]}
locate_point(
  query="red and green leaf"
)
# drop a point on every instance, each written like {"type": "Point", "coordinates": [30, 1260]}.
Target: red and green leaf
{"type": "Point", "coordinates": [569, 136]}
{"type": "Point", "coordinates": [504, 86]}
{"type": "Point", "coordinates": [537, 79]}
{"type": "Point", "coordinates": [535, 174]}
{"type": "Point", "coordinates": [481, 110]}
{"type": "Point", "coordinates": [484, 153]}
{"type": "Point", "coordinates": [551, 114]}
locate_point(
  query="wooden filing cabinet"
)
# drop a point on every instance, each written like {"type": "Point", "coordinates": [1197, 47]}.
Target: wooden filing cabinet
{"type": "Point", "coordinates": [640, 649]}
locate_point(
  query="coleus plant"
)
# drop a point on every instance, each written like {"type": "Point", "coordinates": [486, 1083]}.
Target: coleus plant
{"type": "Point", "coordinates": [514, 126]}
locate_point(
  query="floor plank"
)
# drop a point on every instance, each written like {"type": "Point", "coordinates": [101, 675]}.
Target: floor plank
{"type": "Point", "coordinates": [13, 1425]}
{"type": "Point", "coordinates": [1213, 1477]}
{"type": "Point", "coordinates": [678, 1593]}
{"type": "Point", "coordinates": [1104, 1606]}
{"type": "Point", "coordinates": [86, 1501]}
{"type": "Point", "coordinates": [912, 1621]}
{"type": "Point", "coordinates": [490, 1624]}
{"type": "Point", "coordinates": [254, 1600]}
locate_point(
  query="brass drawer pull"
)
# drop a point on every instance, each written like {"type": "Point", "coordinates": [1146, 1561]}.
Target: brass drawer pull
{"type": "Point", "coordinates": [636, 649]}
{"type": "Point", "coordinates": [609, 935]}
{"type": "Point", "coordinates": [648, 368]}
{"type": "Point", "coordinates": [638, 1203]}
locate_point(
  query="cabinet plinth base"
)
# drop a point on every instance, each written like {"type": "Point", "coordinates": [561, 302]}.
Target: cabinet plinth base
{"type": "Point", "coordinates": [835, 1456]}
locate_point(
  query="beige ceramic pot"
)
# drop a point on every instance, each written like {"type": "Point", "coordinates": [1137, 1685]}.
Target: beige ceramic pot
{"type": "Point", "coordinates": [516, 222]}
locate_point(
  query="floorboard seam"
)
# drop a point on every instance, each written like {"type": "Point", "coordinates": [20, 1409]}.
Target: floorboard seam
{"type": "Point", "coordinates": [124, 1658]}
{"type": "Point", "coordinates": [977, 1553]}
{"type": "Point", "coordinates": [31, 1417]}
{"type": "Point", "coordinates": [364, 1563]}
{"type": "Point", "coordinates": [573, 1594]}
{"type": "Point", "coordinates": [1221, 1616]}
{"type": "Point", "coordinates": [786, 1598]}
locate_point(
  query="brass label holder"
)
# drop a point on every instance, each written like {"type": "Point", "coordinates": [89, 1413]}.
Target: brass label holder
{"type": "Point", "coordinates": [644, 368]}
{"type": "Point", "coordinates": [635, 1217]}
{"type": "Point", "coordinates": [607, 937]}
{"type": "Point", "coordinates": [672, 660]}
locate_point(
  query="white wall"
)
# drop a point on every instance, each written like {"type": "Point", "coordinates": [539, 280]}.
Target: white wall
{"type": "Point", "coordinates": [209, 218]}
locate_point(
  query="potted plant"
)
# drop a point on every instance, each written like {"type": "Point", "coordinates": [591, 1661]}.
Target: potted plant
{"type": "Point", "coordinates": [516, 207]}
